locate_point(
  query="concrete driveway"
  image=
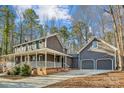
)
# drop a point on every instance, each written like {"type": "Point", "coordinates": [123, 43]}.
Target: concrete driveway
{"type": "Point", "coordinates": [42, 81]}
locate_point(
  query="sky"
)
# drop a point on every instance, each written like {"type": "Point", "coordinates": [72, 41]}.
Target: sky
{"type": "Point", "coordinates": [47, 13]}
{"type": "Point", "coordinates": [66, 15]}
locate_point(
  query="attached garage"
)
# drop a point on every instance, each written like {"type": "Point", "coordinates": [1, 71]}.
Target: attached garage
{"type": "Point", "coordinates": [98, 55]}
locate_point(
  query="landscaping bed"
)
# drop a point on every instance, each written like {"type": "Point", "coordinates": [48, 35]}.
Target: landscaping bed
{"type": "Point", "coordinates": [105, 80]}
{"type": "Point", "coordinates": [56, 70]}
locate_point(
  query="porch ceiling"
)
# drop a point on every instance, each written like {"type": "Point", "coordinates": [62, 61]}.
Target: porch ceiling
{"type": "Point", "coordinates": [43, 50]}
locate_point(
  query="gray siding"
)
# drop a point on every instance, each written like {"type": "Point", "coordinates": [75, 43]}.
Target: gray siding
{"type": "Point", "coordinates": [69, 61]}
{"type": "Point", "coordinates": [72, 62]}
{"type": "Point", "coordinates": [53, 43]}
{"type": "Point", "coordinates": [87, 54]}
{"type": "Point", "coordinates": [75, 62]}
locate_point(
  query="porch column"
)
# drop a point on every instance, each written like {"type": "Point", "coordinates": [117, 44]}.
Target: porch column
{"type": "Point", "coordinates": [25, 58]}
{"type": "Point", "coordinates": [112, 64]}
{"type": "Point", "coordinates": [65, 61]}
{"type": "Point", "coordinates": [21, 58]}
{"type": "Point", "coordinates": [45, 59]}
{"type": "Point", "coordinates": [28, 59]}
{"type": "Point", "coordinates": [61, 60]}
{"type": "Point", "coordinates": [14, 59]}
{"type": "Point", "coordinates": [54, 60]}
{"type": "Point", "coordinates": [36, 59]}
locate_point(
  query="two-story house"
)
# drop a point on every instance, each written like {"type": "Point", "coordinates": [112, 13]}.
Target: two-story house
{"type": "Point", "coordinates": [46, 52]}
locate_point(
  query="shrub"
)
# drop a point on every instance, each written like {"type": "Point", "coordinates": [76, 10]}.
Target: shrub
{"type": "Point", "coordinates": [25, 70]}
{"type": "Point", "coordinates": [10, 72]}
{"type": "Point", "coordinates": [17, 70]}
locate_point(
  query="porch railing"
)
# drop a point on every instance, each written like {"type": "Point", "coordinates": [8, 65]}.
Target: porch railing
{"type": "Point", "coordinates": [50, 64]}
{"type": "Point", "coordinates": [34, 64]}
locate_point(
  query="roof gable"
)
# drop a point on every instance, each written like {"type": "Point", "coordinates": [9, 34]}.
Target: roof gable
{"type": "Point", "coordinates": [98, 40]}
{"type": "Point", "coordinates": [55, 34]}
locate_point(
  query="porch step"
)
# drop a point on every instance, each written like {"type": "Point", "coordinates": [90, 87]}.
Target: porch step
{"type": "Point", "coordinates": [43, 71]}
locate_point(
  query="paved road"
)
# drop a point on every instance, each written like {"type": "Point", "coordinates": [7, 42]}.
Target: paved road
{"type": "Point", "coordinates": [42, 81]}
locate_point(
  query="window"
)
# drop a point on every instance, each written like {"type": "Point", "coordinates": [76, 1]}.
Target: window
{"type": "Point", "coordinates": [94, 44]}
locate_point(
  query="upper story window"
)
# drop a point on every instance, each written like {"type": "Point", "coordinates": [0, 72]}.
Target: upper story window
{"type": "Point", "coordinates": [30, 46]}
{"type": "Point", "coordinates": [94, 44]}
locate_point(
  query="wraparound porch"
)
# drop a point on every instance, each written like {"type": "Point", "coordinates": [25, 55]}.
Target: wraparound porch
{"type": "Point", "coordinates": [43, 58]}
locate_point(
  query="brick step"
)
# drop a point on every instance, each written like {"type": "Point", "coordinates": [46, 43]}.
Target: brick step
{"type": "Point", "coordinates": [43, 71]}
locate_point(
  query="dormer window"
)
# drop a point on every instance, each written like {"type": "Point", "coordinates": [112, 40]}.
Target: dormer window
{"type": "Point", "coordinates": [94, 44]}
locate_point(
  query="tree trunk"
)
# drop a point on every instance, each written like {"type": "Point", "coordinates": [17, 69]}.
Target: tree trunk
{"type": "Point", "coordinates": [6, 32]}
{"type": "Point", "coordinates": [31, 37]}
{"type": "Point", "coordinates": [118, 40]}
{"type": "Point", "coordinates": [21, 34]}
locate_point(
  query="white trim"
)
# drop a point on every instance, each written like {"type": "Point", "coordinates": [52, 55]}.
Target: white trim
{"type": "Point", "coordinates": [86, 45]}
{"type": "Point", "coordinates": [45, 42]}
{"type": "Point", "coordinates": [36, 59]}
{"type": "Point", "coordinates": [60, 41]}
{"type": "Point", "coordinates": [114, 48]}
{"type": "Point", "coordinates": [115, 59]}
{"type": "Point", "coordinates": [38, 51]}
{"type": "Point", "coordinates": [100, 51]}
{"type": "Point", "coordinates": [54, 60]}
{"type": "Point", "coordinates": [28, 59]}
{"type": "Point", "coordinates": [14, 59]}
{"type": "Point", "coordinates": [35, 40]}
{"type": "Point", "coordinates": [105, 59]}
{"type": "Point", "coordinates": [45, 37]}
{"type": "Point", "coordinates": [21, 58]}
{"type": "Point", "coordinates": [45, 59]}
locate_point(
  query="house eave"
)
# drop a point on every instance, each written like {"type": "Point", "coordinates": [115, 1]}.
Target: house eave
{"type": "Point", "coordinates": [113, 47]}
{"type": "Point", "coordinates": [37, 51]}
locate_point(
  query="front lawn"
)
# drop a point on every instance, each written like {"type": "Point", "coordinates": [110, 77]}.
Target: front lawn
{"type": "Point", "coordinates": [106, 80]}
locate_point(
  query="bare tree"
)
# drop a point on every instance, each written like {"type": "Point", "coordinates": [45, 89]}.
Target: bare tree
{"type": "Point", "coordinates": [117, 25]}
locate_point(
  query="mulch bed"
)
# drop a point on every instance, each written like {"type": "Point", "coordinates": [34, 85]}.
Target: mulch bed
{"type": "Point", "coordinates": [105, 80]}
